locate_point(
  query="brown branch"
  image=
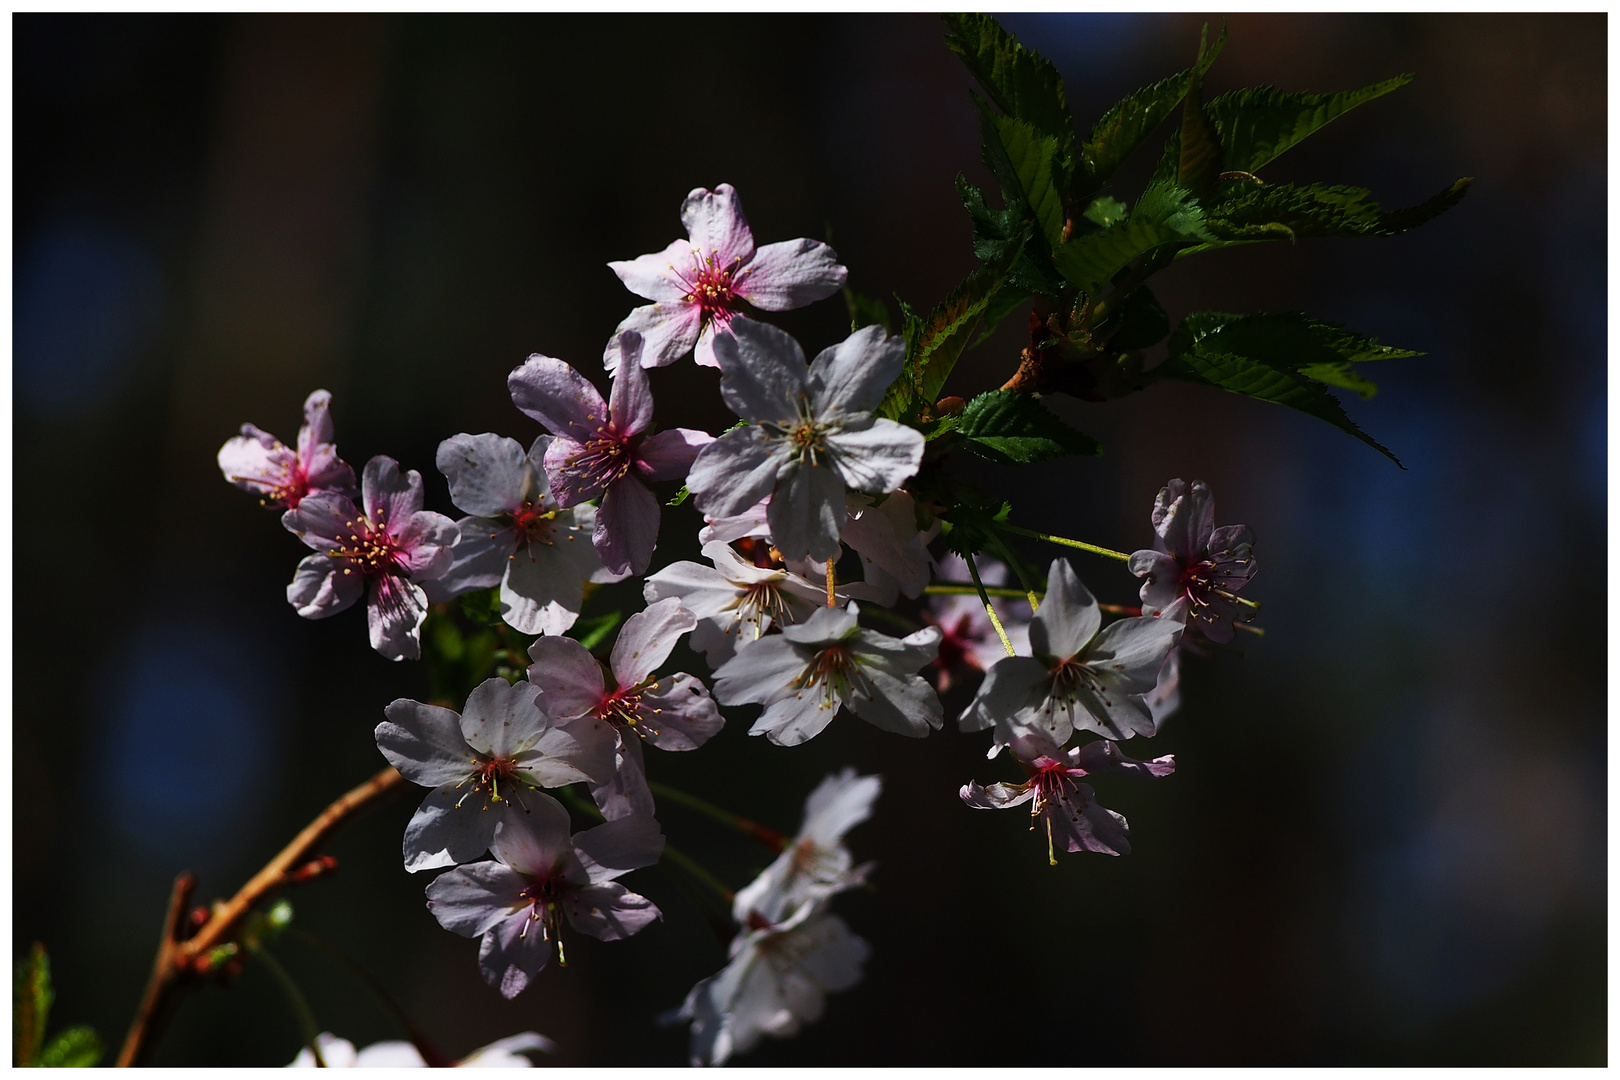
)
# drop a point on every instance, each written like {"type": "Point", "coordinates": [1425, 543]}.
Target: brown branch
{"type": "Point", "coordinates": [177, 960]}
{"type": "Point", "coordinates": [156, 996]}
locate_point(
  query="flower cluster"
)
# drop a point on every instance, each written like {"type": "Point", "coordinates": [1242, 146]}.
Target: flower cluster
{"type": "Point", "coordinates": [816, 519]}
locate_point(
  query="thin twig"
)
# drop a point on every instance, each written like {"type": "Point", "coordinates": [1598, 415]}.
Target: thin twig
{"type": "Point", "coordinates": [178, 959]}
{"type": "Point", "coordinates": [155, 997]}
{"type": "Point", "coordinates": [767, 836]}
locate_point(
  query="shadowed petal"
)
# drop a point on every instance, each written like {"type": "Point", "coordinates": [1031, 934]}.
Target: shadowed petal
{"type": "Point", "coordinates": [763, 376]}
{"type": "Point", "coordinates": [486, 473]}
{"type": "Point", "coordinates": [807, 511]}
{"type": "Point", "coordinates": [424, 742]}
{"type": "Point", "coordinates": [320, 587]}
{"type": "Point", "coordinates": [570, 676]}
{"type": "Point", "coordinates": [853, 376]}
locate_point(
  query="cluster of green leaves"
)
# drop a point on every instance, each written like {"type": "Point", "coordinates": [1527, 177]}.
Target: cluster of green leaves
{"type": "Point", "coordinates": [74, 1047]}
{"type": "Point", "coordinates": [1084, 255]}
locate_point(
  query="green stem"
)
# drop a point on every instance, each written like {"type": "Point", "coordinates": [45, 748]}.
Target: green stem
{"type": "Point", "coordinates": [430, 1053]}
{"type": "Point", "coordinates": [1017, 569]}
{"type": "Point", "coordinates": [952, 588]}
{"type": "Point", "coordinates": [300, 1004]}
{"type": "Point", "coordinates": [995, 620]}
{"type": "Point", "coordinates": [1066, 542]}
{"type": "Point", "coordinates": [769, 837]}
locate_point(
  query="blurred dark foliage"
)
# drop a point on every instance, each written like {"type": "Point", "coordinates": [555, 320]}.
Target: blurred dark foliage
{"type": "Point", "coordinates": [1386, 841]}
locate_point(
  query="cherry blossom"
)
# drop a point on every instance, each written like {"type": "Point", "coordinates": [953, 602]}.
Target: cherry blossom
{"type": "Point", "coordinates": [805, 674]}
{"type": "Point", "coordinates": [483, 765]}
{"type": "Point", "coordinates": [540, 876]}
{"type": "Point", "coordinates": [258, 462]}
{"type": "Point", "coordinates": [339, 1053]}
{"type": "Point", "coordinates": [776, 982]}
{"type": "Point", "coordinates": [673, 713]}
{"type": "Point", "coordinates": [391, 545]}
{"type": "Point", "coordinates": [517, 537]}
{"type": "Point", "coordinates": [815, 864]}
{"type": "Point", "coordinates": [1063, 807]}
{"type": "Point", "coordinates": [810, 437]}
{"type": "Point", "coordinates": [1193, 560]}
{"type": "Point", "coordinates": [605, 449]}
{"type": "Point", "coordinates": [698, 284]}
{"type": "Point", "coordinates": [1083, 676]}
{"type": "Point", "coordinates": [735, 601]}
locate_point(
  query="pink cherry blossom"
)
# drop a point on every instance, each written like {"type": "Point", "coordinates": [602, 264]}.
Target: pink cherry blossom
{"type": "Point", "coordinates": [1191, 559]}
{"type": "Point", "coordinates": [700, 283]}
{"type": "Point", "coordinates": [674, 712]}
{"type": "Point", "coordinates": [1065, 809]}
{"type": "Point", "coordinates": [389, 544]}
{"type": "Point", "coordinates": [604, 449]}
{"type": "Point", "coordinates": [258, 462]}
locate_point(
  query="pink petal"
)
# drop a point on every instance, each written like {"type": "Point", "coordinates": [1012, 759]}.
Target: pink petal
{"type": "Point", "coordinates": [647, 638]}
{"type": "Point", "coordinates": [630, 404]}
{"type": "Point", "coordinates": [714, 221]}
{"type": "Point", "coordinates": [668, 332]}
{"type": "Point", "coordinates": [570, 676]}
{"type": "Point", "coordinates": [562, 399]}
{"type": "Point", "coordinates": [791, 274]}
{"type": "Point", "coordinates": [657, 276]}
{"type": "Point", "coordinates": [626, 527]}
{"type": "Point", "coordinates": [668, 455]}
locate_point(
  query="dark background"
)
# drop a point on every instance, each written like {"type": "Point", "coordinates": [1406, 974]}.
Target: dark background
{"type": "Point", "coordinates": [1385, 843]}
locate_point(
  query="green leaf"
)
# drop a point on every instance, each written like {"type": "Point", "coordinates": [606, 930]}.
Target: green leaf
{"type": "Point", "coordinates": [1016, 429]}
{"type": "Point", "coordinates": [1136, 321]}
{"type": "Point", "coordinates": [1030, 166]}
{"type": "Point", "coordinates": [72, 1048]}
{"type": "Point", "coordinates": [1021, 82]}
{"type": "Point", "coordinates": [1287, 359]}
{"type": "Point", "coordinates": [1123, 127]}
{"type": "Point", "coordinates": [969, 528]}
{"type": "Point", "coordinates": [995, 232]}
{"type": "Point", "coordinates": [1245, 211]}
{"type": "Point", "coordinates": [1257, 124]}
{"type": "Point", "coordinates": [32, 998]}
{"type": "Point", "coordinates": [863, 311]}
{"type": "Point", "coordinates": [934, 345]}
{"type": "Point", "coordinates": [1104, 211]}
{"type": "Point", "coordinates": [592, 632]}
{"type": "Point", "coordinates": [1200, 164]}
{"type": "Point", "coordinates": [686, 492]}
{"type": "Point", "coordinates": [1165, 214]}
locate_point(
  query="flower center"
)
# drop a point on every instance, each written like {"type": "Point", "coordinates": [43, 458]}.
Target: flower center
{"type": "Point", "coordinates": [760, 601]}
{"type": "Point", "coordinates": [542, 895]}
{"type": "Point", "coordinates": [836, 671]}
{"type": "Point", "coordinates": [711, 286]}
{"type": "Point", "coordinates": [622, 709]}
{"type": "Point", "coordinates": [369, 548]}
{"type": "Point", "coordinates": [490, 774]}
{"type": "Point", "coordinates": [604, 459]}
{"type": "Point", "coordinates": [534, 523]}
